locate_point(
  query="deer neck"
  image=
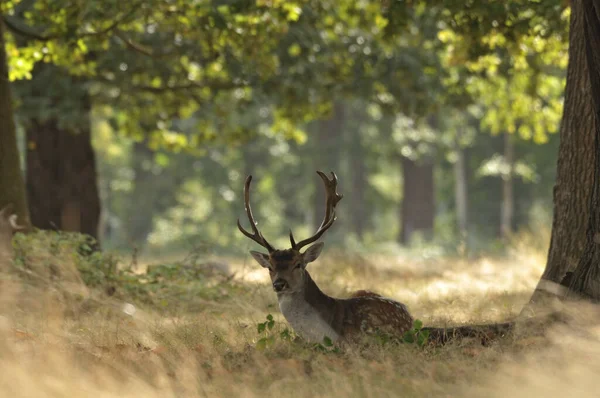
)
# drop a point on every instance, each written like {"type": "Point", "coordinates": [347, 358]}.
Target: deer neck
{"type": "Point", "coordinates": [311, 313]}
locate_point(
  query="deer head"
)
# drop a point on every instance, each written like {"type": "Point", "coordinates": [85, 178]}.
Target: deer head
{"type": "Point", "coordinates": [287, 268]}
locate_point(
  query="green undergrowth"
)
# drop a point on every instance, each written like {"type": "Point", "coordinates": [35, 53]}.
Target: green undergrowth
{"type": "Point", "coordinates": [68, 262]}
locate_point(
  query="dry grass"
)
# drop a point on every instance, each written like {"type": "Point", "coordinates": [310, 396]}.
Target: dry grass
{"type": "Point", "coordinates": [50, 347]}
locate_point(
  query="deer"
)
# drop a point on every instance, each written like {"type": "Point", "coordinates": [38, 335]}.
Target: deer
{"type": "Point", "coordinates": [8, 227]}
{"type": "Point", "coordinates": [311, 313]}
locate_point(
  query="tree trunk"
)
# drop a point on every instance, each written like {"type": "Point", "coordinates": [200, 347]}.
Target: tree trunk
{"type": "Point", "coordinates": [578, 168]}
{"type": "Point", "coordinates": [61, 176]}
{"type": "Point", "coordinates": [139, 223]}
{"type": "Point", "coordinates": [294, 212]}
{"type": "Point", "coordinates": [12, 187]}
{"type": "Point", "coordinates": [461, 194]}
{"type": "Point", "coordinates": [358, 189]}
{"type": "Point", "coordinates": [508, 201]}
{"type": "Point", "coordinates": [585, 280]}
{"type": "Point", "coordinates": [576, 155]}
{"type": "Point", "coordinates": [417, 211]}
{"type": "Point", "coordinates": [163, 186]}
{"type": "Point", "coordinates": [327, 153]}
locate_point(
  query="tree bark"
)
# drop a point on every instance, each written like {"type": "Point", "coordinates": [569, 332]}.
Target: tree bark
{"type": "Point", "coordinates": [585, 280]}
{"type": "Point", "coordinates": [61, 168]}
{"type": "Point", "coordinates": [461, 194]}
{"type": "Point", "coordinates": [576, 154]}
{"type": "Point", "coordinates": [508, 204]}
{"type": "Point", "coordinates": [12, 186]}
{"type": "Point", "coordinates": [417, 211]}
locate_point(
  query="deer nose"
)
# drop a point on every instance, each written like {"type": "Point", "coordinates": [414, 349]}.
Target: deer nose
{"type": "Point", "coordinates": [279, 285]}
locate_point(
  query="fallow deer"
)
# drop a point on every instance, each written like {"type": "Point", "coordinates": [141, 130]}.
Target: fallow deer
{"type": "Point", "coordinates": [8, 226]}
{"type": "Point", "coordinates": [313, 314]}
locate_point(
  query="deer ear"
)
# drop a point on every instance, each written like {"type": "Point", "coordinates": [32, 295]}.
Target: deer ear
{"type": "Point", "coordinates": [261, 258]}
{"type": "Point", "coordinates": [313, 252]}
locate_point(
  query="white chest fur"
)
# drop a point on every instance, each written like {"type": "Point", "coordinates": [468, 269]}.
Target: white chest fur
{"type": "Point", "coordinates": [304, 319]}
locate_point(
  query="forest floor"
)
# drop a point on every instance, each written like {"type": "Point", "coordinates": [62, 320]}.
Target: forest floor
{"type": "Point", "coordinates": [192, 327]}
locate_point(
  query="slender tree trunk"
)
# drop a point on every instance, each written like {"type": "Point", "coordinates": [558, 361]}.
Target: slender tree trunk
{"type": "Point", "coordinates": [576, 156]}
{"type": "Point", "coordinates": [417, 211]}
{"type": "Point", "coordinates": [508, 205]}
{"type": "Point", "coordinates": [461, 193]}
{"type": "Point", "coordinates": [357, 167]}
{"type": "Point", "coordinates": [144, 208]}
{"type": "Point", "coordinates": [139, 223]}
{"type": "Point", "coordinates": [289, 191]}
{"type": "Point", "coordinates": [12, 186]}
{"type": "Point", "coordinates": [327, 154]}
{"type": "Point", "coordinates": [358, 189]}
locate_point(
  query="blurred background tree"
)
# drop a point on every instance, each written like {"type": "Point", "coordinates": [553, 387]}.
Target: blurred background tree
{"type": "Point", "coordinates": [138, 122]}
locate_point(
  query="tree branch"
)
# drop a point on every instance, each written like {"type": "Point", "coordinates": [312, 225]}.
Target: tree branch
{"type": "Point", "coordinates": [115, 24]}
{"type": "Point", "coordinates": [140, 48]}
{"type": "Point", "coordinates": [192, 86]}
{"type": "Point", "coordinates": [13, 25]}
{"type": "Point", "coordinates": [19, 27]}
{"type": "Point", "coordinates": [215, 85]}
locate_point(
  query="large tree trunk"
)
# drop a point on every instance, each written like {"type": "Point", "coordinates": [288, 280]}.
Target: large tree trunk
{"type": "Point", "coordinates": [12, 187]}
{"type": "Point", "coordinates": [585, 280]}
{"type": "Point", "coordinates": [508, 201]}
{"type": "Point", "coordinates": [417, 212]}
{"type": "Point", "coordinates": [61, 168]}
{"type": "Point", "coordinates": [576, 156]}
{"type": "Point", "coordinates": [61, 179]}
{"type": "Point", "coordinates": [578, 169]}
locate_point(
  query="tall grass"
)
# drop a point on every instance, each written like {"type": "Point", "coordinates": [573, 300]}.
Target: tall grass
{"type": "Point", "coordinates": [91, 328]}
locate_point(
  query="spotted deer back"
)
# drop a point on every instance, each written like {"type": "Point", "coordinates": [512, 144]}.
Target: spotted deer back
{"type": "Point", "coordinates": [369, 313]}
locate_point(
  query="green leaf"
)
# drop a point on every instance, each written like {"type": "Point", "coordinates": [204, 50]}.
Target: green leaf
{"type": "Point", "coordinates": [262, 343]}
{"type": "Point", "coordinates": [327, 342]}
{"type": "Point", "coordinates": [409, 337]}
{"type": "Point", "coordinates": [319, 347]}
{"type": "Point", "coordinates": [423, 338]}
{"type": "Point", "coordinates": [417, 324]}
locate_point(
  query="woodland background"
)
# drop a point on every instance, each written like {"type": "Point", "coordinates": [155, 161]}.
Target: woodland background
{"type": "Point", "coordinates": [138, 123]}
{"type": "Point", "coordinates": [465, 137]}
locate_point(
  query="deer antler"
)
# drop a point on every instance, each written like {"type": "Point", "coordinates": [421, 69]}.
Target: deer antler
{"type": "Point", "coordinates": [332, 198]}
{"type": "Point", "coordinates": [256, 236]}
